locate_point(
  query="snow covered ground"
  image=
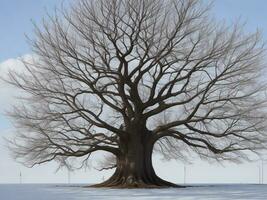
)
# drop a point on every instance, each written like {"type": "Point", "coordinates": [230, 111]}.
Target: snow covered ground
{"type": "Point", "coordinates": [66, 192]}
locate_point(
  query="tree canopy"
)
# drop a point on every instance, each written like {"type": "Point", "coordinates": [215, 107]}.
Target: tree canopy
{"type": "Point", "coordinates": [124, 76]}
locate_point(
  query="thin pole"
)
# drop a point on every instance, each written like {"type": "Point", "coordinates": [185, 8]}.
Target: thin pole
{"type": "Point", "coordinates": [259, 167]}
{"type": "Point", "coordinates": [68, 176]}
{"type": "Point", "coordinates": [20, 177]}
{"type": "Point", "coordinates": [184, 175]}
{"type": "Point", "coordinates": [262, 174]}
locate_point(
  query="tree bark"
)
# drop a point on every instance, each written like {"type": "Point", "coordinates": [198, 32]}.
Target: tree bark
{"type": "Point", "coordinates": [134, 165]}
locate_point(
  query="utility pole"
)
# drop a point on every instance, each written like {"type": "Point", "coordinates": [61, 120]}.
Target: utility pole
{"type": "Point", "coordinates": [184, 175]}
{"type": "Point", "coordinates": [20, 177]}
{"type": "Point", "coordinates": [259, 167]}
{"type": "Point", "coordinates": [68, 176]}
{"type": "Point", "coordinates": [262, 173]}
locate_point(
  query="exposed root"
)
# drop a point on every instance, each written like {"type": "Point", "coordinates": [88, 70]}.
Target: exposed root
{"type": "Point", "coordinates": [130, 182]}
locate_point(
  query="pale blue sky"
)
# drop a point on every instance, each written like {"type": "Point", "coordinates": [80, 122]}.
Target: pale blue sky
{"type": "Point", "coordinates": [15, 21]}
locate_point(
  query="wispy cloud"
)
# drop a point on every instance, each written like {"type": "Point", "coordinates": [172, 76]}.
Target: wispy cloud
{"type": "Point", "coordinates": [7, 92]}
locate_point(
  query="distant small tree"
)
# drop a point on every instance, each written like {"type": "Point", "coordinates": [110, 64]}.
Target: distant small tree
{"type": "Point", "coordinates": [123, 76]}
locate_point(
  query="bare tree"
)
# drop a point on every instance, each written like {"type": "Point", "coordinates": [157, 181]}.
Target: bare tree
{"type": "Point", "coordinates": [124, 76]}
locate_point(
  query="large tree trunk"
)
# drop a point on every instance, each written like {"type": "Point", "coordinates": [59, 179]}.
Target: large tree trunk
{"type": "Point", "coordinates": [134, 165]}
